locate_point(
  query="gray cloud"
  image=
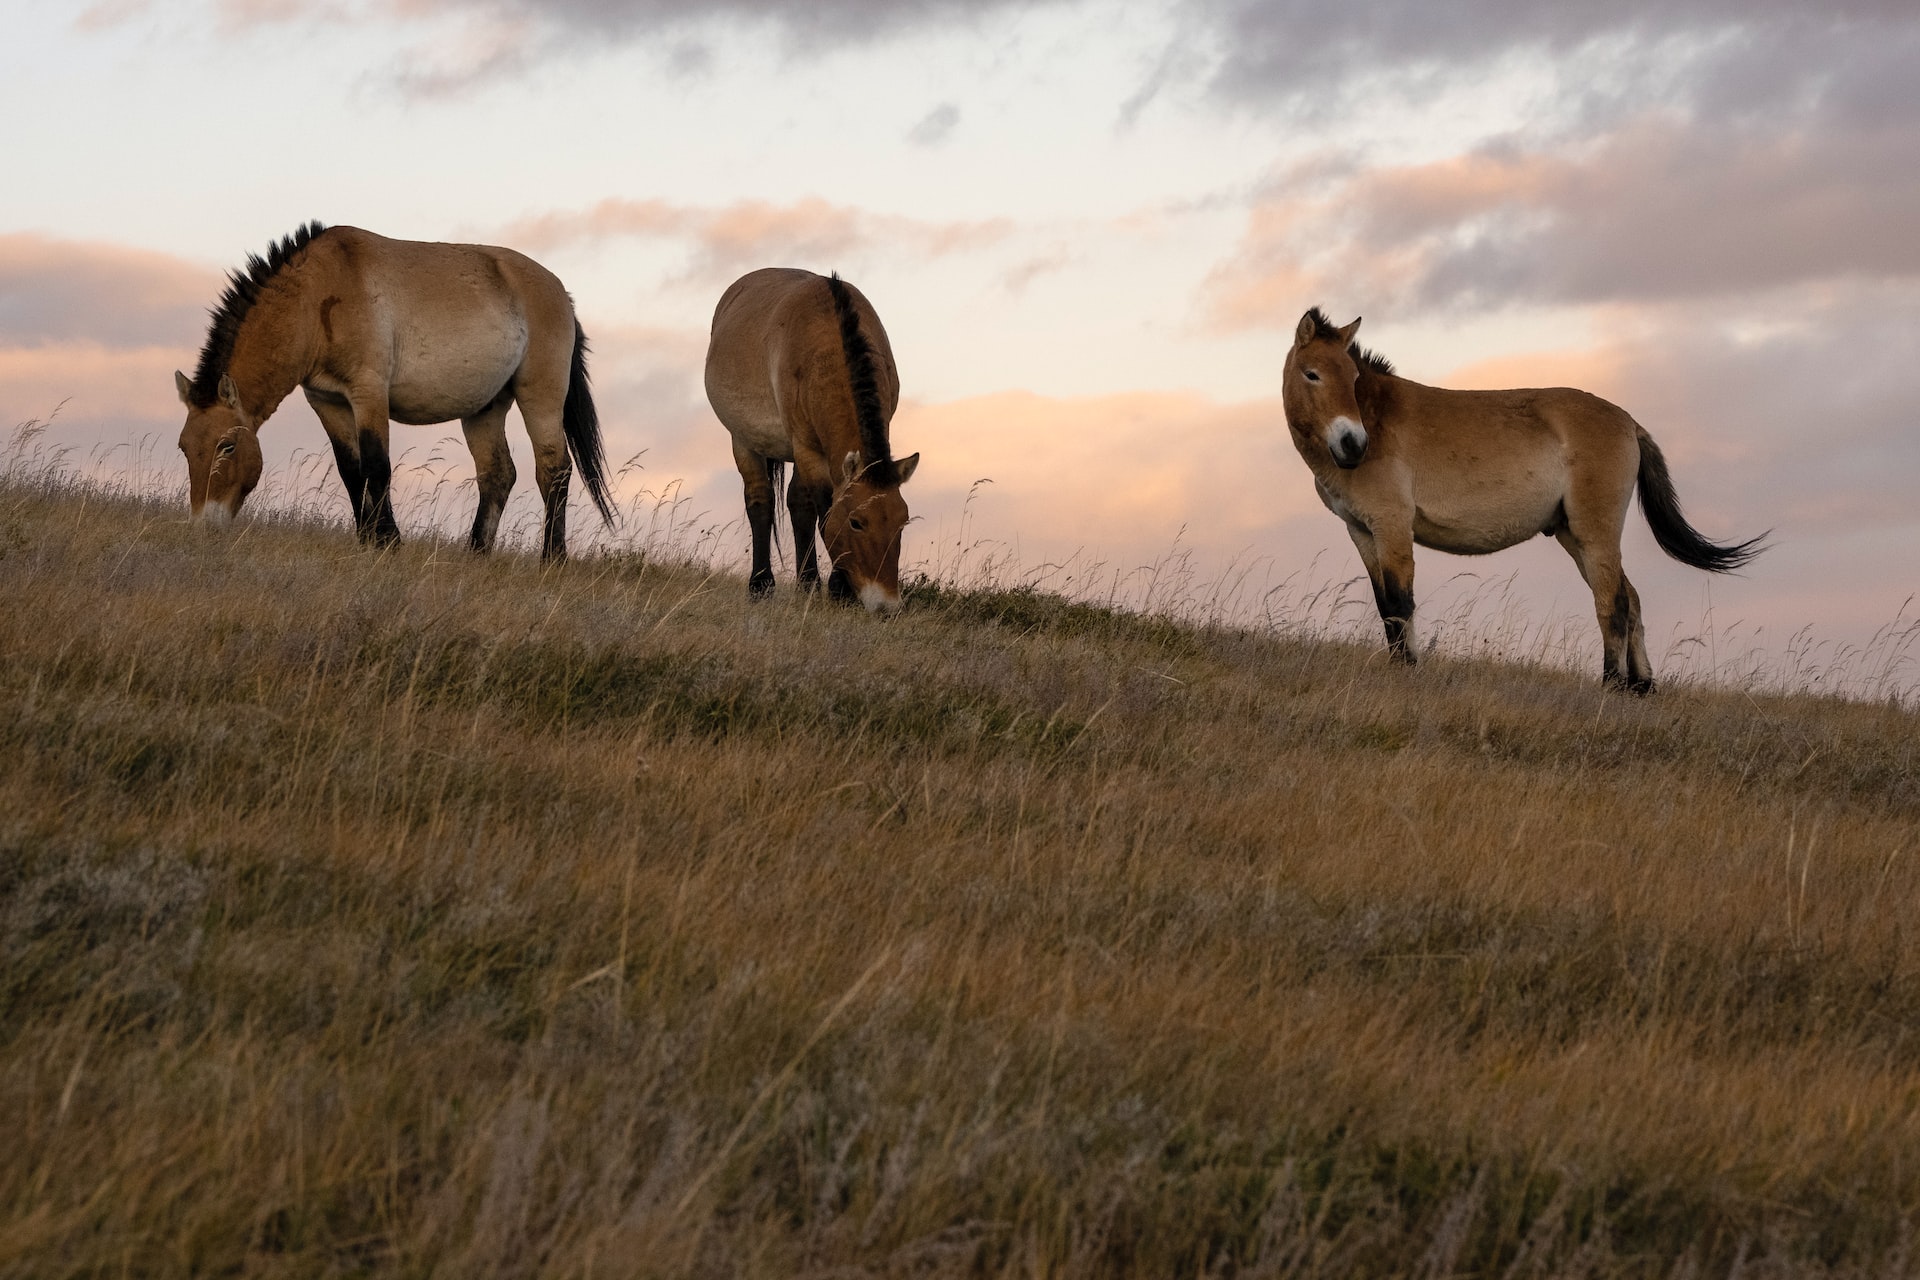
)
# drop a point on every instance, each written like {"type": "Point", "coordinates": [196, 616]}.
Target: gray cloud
{"type": "Point", "coordinates": [936, 126]}
{"type": "Point", "coordinates": [1656, 210]}
{"type": "Point", "coordinates": [61, 290]}
{"type": "Point", "coordinates": [1745, 51]}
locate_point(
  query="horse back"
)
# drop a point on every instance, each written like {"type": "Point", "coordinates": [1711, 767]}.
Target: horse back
{"type": "Point", "coordinates": [776, 368]}
{"type": "Point", "coordinates": [451, 323]}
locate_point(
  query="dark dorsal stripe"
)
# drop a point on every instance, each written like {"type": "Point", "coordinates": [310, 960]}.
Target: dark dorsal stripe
{"type": "Point", "coordinates": [1326, 330]}
{"type": "Point", "coordinates": [874, 448]}
{"type": "Point", "coordinates": [243, 290]}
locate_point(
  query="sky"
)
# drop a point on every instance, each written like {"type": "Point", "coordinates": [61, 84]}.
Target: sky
{"type": "Point", "coordinates": [1089, 229]}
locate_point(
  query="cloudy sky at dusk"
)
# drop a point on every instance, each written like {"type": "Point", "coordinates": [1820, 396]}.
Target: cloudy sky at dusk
{"type": "Point", "coordinates": [1089, 229]}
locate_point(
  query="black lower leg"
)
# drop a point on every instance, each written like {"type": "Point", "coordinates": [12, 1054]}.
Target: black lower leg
{"type": "Point", "coordinates": [553, 529]}
{"type": "Point", "coordinates": [806, 521]}
{"type": "Point", "coordinates": [1395, 602]}
{"type": "Point", "coordinates": [1616, 641]}
{"type": "Point", "coordinates": [348, 461]}
{"type": "Point", "coordinates": [760, 523]}
{"type": "Point", "coordinates": [840, 586]}
{"type": "Point", "coordinates": [486, 518]}
{"type": "Point", "coordinates": [377, 524]}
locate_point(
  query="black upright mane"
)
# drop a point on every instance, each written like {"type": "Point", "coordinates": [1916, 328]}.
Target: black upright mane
{"type": "Point", "coordinates": [1370, 360]}
{"type": "Point", "coordinates": [243, 290]}
{"type": "Point", "coordinates": [875, 451]}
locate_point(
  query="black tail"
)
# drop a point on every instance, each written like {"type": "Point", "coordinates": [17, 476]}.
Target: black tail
{"type": "Point", "coordinates": [777, 477]}
{"type": "Point", "coordinates": [582, 425]}
{"type": "Point", "coordinates": [875, 451]}
{"type": "Point", "coordinates": [1661, 506]}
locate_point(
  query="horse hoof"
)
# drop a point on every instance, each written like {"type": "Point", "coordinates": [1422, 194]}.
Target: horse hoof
{"type": "Point", "coordinates": [759, 586]}
{"type": "Point", "coordinates": [840, 587]}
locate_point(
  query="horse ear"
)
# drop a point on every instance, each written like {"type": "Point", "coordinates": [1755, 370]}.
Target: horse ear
{"type": "Point", "coordinates": [1346, 334]}
{"type": "Point", "coordinates": [229, 392]}
{"type": "Point", "coordinates": [851, 467]}
{"type": "Point", "coordinates": [184, 385]}
{"type": "Point", "coordinates": [906, 465]}
{"type": "Point", "coordinates": [1304, 331]}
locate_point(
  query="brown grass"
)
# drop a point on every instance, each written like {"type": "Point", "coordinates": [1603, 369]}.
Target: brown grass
{"type": "Point", "coordinates": [417, 913]}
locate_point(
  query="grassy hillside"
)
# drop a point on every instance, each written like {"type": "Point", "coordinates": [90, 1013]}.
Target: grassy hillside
{"type": "Point", "coordinates": [416, 913]}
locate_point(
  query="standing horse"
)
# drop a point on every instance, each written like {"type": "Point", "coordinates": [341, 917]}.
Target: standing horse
{"type": "Point", "coordinates": [1473, 472]}
{"type": "Point", "coordinates": [799, 370]}
{"type": "Point", "coordinates": [373, 330]}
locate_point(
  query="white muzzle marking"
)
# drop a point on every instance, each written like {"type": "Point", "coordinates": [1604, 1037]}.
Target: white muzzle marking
{"type": "Point", "coordinates": [215, 515]}
{"type": "Point", "coordinates": [878, 599]}
{"type": "Point", "coordinates": [1346, 440]}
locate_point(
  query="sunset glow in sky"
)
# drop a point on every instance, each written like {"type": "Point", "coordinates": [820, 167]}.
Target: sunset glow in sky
{"type": "Point", "coordinates": [1088, 227]}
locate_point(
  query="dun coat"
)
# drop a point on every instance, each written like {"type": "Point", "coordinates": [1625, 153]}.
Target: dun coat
{"type": "Point", "coordinates": [374, 331]}
{"type": "Point", "coordinates": [799, 370]}
{"type": "Point", "coordinates": [1473, 472]}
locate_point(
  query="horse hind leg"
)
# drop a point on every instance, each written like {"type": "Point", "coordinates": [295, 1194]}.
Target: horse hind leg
{"type": "Point", "coordinates": [541, 403]}
{"type": "Point", "coordinates": [1616, 605]}
{"type": "Point", "coordinates": [757, 481]}
{"type": "Point", "coordinates": [494, 474]}
{"type": "Point", "coordinates": [1639, 666]}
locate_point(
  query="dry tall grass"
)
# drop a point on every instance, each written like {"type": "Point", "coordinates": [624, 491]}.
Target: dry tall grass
{"type": "Point", "coordinates": [413, 913]}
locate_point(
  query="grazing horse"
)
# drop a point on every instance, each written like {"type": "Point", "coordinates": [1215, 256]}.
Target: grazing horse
{"type": "Point", "coordinates": [373, 330]}
{"type": "Point", "coordinates": [1473, 472]}
{"type": "Point", "coordinates": [799, 370]}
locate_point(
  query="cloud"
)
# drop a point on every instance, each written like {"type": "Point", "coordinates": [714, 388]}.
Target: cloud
{"type": "Point", "coordinates": [1738, 53]}
{"type": "Point", "coordinates": [54, 290]}
{"type": "Point", "coordinates": [1653, 212]}
{"type": "Point", "coordinates": [935, 127]}
{"type": "Point", "coordinates": [727, 239]}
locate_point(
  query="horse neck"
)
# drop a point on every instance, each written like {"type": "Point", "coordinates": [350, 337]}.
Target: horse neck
{"type": "Point", "coordinates": [274, 351]}
{"type": "Point", "coordinates": [1372, 390]}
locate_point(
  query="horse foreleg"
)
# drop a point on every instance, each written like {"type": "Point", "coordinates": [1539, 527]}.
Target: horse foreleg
{"type": "Point", "coordinates": [805, 512]}
{"type": "Point", "coordinates": [374, 512]}
{"type": "Point", "coordinates": [1389, 561]}
{"type": "Point", "coordinates": [493, 469]}
{"type": "Point", "coordinates": [336, 416]}
{"type": "Point", "coordinates": [759, 495]}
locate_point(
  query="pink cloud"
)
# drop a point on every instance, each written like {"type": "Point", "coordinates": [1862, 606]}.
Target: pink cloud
{"type": "Point", "coordinates": [1655, 211]}
{"type": "Point", "coordinates": [726, 239]}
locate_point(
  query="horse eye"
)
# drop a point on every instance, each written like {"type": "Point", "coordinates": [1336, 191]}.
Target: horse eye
{"type": "Point", "coordinates": [859, 525]}
{"type": "Point", "coordinates": [1312, 376]}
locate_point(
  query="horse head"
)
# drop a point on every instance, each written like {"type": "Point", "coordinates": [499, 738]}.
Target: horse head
{"type": "Point", "coordinates": [1319, 391]}
{"type": "Point", "coordinates": [223, 453]}
{"type": "Point", "coordinates": [862, 530]}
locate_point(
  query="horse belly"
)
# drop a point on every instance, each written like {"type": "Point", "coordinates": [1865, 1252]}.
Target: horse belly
{"type": "Point", "coordinates": [1489, 522]}
{"type": "Point", "coordinates": [754, 421]}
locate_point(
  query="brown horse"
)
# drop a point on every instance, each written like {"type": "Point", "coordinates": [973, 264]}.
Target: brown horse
{"type": "Point", "coordinates": [799, 370]}
{"type": "Point", "coordinates": [373, 330]}
{"type": "Point", "coordinates": [1473, 472]}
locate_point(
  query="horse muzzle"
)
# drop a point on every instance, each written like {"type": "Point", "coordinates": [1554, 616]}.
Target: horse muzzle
{"type": "Point", "coordinates": [213, 515]}
{"type": "Point", "coordinates": [1347, 442]}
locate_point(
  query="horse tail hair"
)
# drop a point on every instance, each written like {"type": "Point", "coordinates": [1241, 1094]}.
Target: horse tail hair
{"type": "Point", "coordinates": [1661, 506]}
{"type": "Point", "coordinates": [582, 425]}
{"type": "Point", "coordinates": [777, 477]}
{"type": "Point", "coordinates": [875, 451]}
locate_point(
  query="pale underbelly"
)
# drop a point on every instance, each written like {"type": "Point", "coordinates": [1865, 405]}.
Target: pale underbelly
{"type": "Point", "coordinates": [443, 389]}
{"type": "Point", "coordinates": [754, 425]}
{"type": "Point", "coordinates": [1485, 531]}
